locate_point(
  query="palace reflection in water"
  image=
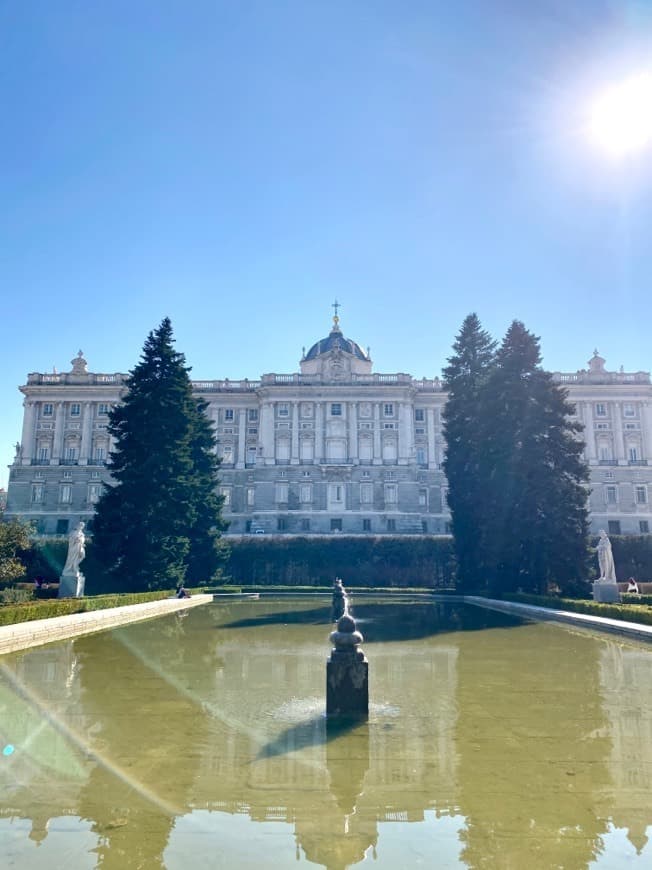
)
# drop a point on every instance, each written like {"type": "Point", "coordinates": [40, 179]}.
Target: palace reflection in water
{"type": "Point", "coordinates": [490, 743]}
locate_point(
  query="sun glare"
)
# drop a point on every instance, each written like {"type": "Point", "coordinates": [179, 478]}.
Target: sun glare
{"type": "Point", "coordinates": [621, 117]}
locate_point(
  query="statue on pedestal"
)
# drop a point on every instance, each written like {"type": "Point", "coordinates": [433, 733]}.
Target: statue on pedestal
{"type": "Point", "coordinates": [71, 582]}
{"type": "Point", "coordinates": [605, 559]}
{"type": "Point", "coordinates": [605, 588]}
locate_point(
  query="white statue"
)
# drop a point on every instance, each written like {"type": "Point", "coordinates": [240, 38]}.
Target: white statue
{"type": "Point", "coordinates": [605, 559]}
{"type": "Point", "coordinates": [76, 550]}
{"type": "Point", "coordinates": [72, 581]}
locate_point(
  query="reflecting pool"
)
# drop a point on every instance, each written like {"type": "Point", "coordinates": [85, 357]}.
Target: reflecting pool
{"type": "Point", "coordinates": [199, 740]}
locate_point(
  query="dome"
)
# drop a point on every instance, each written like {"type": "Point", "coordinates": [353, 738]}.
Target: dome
{"type": "Point", "coordinates": [336, 341]}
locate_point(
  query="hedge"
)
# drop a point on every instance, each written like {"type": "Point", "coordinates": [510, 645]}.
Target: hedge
{"type": "Point", "coordinates": [12, 613]}
{"type": "Point", "coordinates": [368, 562]}
{"type": "Point", "coordinates": [641, 613]}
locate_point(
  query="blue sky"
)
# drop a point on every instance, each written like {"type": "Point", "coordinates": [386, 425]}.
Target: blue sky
{"type": "Point", "coordinates": [238, 165]}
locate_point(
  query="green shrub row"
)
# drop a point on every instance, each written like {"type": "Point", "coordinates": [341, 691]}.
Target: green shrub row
{"type": "Point", "coordinates": [641, 613]}
{"type": "Point", "coordinates": [368, 562]}
{"type": "Point", "coordinates": [13, 613]}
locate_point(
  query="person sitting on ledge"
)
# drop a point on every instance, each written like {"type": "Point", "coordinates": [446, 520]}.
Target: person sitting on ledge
{"type": "Point", "coordinates": [632, 586]}
{"type": "Point", "coordinates": [182, 592]}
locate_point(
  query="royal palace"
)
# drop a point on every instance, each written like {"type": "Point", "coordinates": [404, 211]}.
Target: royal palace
{"type": "Point", "coordinates": [333, 448]}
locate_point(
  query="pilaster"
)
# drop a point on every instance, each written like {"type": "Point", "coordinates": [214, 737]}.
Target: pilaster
{"type": "Point", "coordinates": [58, 434]}
{"type": "Point", "coordinates": [28, 434]}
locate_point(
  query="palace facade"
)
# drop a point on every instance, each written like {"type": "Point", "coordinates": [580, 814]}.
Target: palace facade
{"type": "Point", "coordinates": [333, 448]}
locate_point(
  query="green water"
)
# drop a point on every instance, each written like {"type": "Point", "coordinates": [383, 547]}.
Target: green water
{"type": "Point", "coordinates": [199, 741]}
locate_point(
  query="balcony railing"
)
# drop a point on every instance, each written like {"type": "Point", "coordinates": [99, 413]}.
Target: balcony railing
{"type": "Point", "coordinates": [607, 462]}
{"type": "Point", "coordinates": [637, 462]}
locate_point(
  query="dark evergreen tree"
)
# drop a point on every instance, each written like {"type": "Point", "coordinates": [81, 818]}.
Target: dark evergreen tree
{"type": "Point", "coordinates": [465, 377]}
{"type": "Point", "coordinates": [158, 523]}
{"type": "Point", "coordinates": [532, 474]}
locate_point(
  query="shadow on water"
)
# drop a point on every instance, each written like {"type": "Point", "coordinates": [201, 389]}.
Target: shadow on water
{"type": "Point", "coordinates": [316, 616]}
{"type": "Point", "coordinates": [393, 620]}
{"type": "Point", "coordinates": [314, 732]}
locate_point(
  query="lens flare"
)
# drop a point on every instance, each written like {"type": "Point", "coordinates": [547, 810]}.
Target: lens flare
{"type": "Point", "coordinates": [620, 119]}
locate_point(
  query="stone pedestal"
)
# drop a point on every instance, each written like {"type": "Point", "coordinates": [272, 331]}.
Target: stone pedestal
{"type": "Point", "coordinates": [606, 593]}
{"type": "Point", "coordinates": [347, 674]}
{"type": "Point", "coordinates": [71, 584]}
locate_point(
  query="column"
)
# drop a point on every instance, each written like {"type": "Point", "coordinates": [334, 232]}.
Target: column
{"type": "Point", "coordinates": [267, 432]}
{"type": "Point", "coordinates": [86, 434]}
{"type": "Point", "coordinates": [378, 456]}
{"type": "Point", "coordinates": [319, 433]}
{"type": "Point", "coordinates": [432, 449]}
{"type": "Point", "coordinates": [58, 434]}
{"type": "Point", "coordinates": [405, 434]}
{"type": "Point", "coordinates": [242, 437]}
{"type": "Point", "coordinates": [646, 430]}
{"type": "Point", "coordinates": [27, 437]}
{"type": "Point", "coordinates": [589, 434]}
{"type": "Point", "coordinates": [294, 454]}
{"type": "Point", "coordinates": [353, 432]}
{"type": "Point", "coordinates": [619, 443]}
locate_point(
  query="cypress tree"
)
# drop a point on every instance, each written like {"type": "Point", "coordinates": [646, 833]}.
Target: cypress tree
{"type": "Point", "coordinates": [464, 377]}
{"type": "Point", "coordinates": [160, 516]}
{"type": "Point", "coordinates": [532, 475]}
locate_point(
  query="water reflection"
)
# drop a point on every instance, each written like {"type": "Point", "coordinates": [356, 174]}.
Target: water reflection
{"type": "Point", "coordinates": [490, 743]}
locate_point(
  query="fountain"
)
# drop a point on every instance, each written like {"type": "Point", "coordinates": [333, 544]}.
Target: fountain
{"type": "Point", "coordinates": [347, 670]}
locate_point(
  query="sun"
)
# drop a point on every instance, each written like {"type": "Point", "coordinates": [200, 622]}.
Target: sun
{"type": "Point", "coordinates": [620, 119]}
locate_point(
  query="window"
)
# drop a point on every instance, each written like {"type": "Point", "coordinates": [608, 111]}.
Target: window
{"type": "Point", "coordinates": [391, 525]}
{"type": "Point", "coordinates": [390, 493]}
{"type": "Point", "coordinates": [610, 494]}
{"type": "Point", "coordinates": [305, 493]}
{"type": "Point", "coordinates": [252, 415]}
{"type": "Point", "coordinates": [47, 409]}
{"type": "Point", "coordinates": [366, 474]}
{"type": "Point", "coordinates": [423, 498]}
{"type": "Point", "coordinates": [282, 492]}
{"type": "Point", "coordinates": [629, 410]}
{"type": "Point", "coordinates": [37, 493]}
{"type": "Point", "coordinates": [419, 415]}
{"type": "Point", "coordinates": [227, 430]}
{"type": "Point", "coordinates": [251, 455]}
{"type": "Point", "coordinates": [65, 496]}
{"type": "Point", "coordinates": [366, 525]}
{"type": "Point", "coordinates": [421, 456]}
{"type": "Point", "coordinates": [336, 409]}
{"type": "Point", "coordinates": [306, 473]}
{"type": "Point", "coordinates": [608, 475]}
{"type": "Point", "coordinates": [252, 430]}
{"type": "Point", "coordinates": [336, 525]}
{"type": "Point", "coordinates": [419, 430]}
{"type": "Point", "coordinates": [38, 475]}
{"type": "Point", "coordinates": [644, 527]}
{"type": "Point", "coordinates": [100, 454]}
{"type": "Point", "coordinates": [70, 454]}
{"type": "Point", "coordinates": [366, 493]}
{"type": "Point", "coordinates": [251, 496]}
{"type": "Point", "coordinates": [388, 409]}
{"type": "Point", "coordinates": [641, 495]}
{"type": "Point", "coordinates": [282, 524]}
{"type": "Point", "coordinates": [600, 410]}
{"type": "Point", "coordinates": [95, 475]}
{"type": "Point", "coordinates": [228, 415]}
{"type": "Point", "coordinates": [283, 410]}
{"type": "Point", "coordinates": [388, 425]}
{"type": "Point", "coordinates": [366, 426]}
{"type": "Point", "coordinates": [227, 453]}
{"type": "Point", "coordinates": [633, 454]}
{"type": "Point", "coordinates": [602, 426]}
{"type": "Point", "coordinates": [605, 452]}
{"type": "Point", "coordinates": [67, 475]}
{"type": "Point", "coordinates": [102, 410]}
{"type": "Point", "coordinates": [43, 454]}
{"type": "Point", "coordinates": [75, 410]}
{"type": "Point", "coordinates": [225, 492]}
{"type": "Point", "coordinates": [62, 527]}
{"type": "Point", "coordinates": [614, 527]}
{"type": "Point", "coordinates": [94, 492]}
{"type": "Point", "coordinates": [305, 525]}
{"type": "Point", "coordinates": [424, 526]}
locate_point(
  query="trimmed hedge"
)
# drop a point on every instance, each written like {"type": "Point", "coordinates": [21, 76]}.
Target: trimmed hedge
{"type": "Point", "coordinates": [11, 614]}
{"type": "Point", "coordinates": [641, 613]}
{"type": "Point", "coordinates": [367, 562]}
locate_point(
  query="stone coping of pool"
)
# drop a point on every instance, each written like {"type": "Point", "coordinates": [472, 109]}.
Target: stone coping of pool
{"type": "Point", "coordinates": [585, 620]}
{"type": "Point", "coordinates": [23, 635]}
